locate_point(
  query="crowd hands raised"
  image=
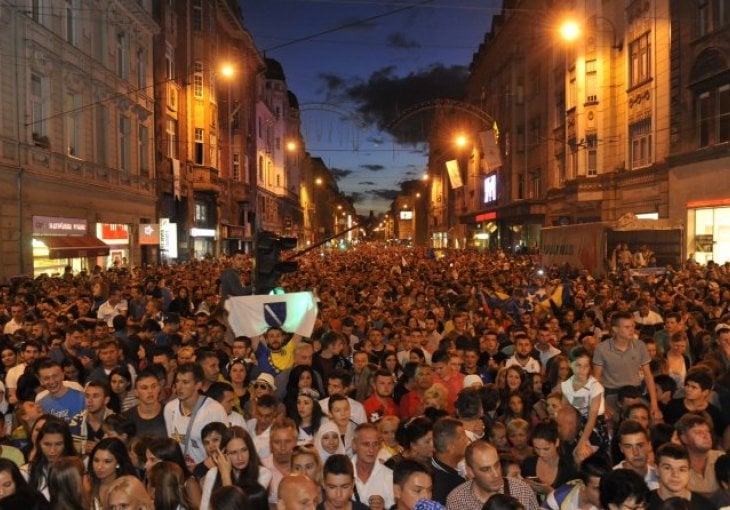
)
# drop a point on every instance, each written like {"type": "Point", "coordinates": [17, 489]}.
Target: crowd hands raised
{"type": "Point", "coordinates": [460, 379]}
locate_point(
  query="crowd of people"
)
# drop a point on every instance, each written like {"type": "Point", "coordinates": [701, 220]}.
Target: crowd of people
{"type": "Point", "coordinates": [450, 379]}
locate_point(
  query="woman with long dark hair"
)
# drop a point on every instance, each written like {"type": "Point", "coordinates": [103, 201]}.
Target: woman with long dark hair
{"type": "Point", "coordinates": [108, 461]}
{"type": "Point", "coordinates": [166, 486]}
{"type": "Point", "coordinates": [66, 485]}
{"type": "Point", "coordinates": [53, 442]}
{"type": "Point", "coordinates": [300, 378]}
{"type": "Point", "coordinates": [307, 414]}
{"type": "Point", "coordinates": [12, 482]}
{"type": "Point", "coordinates": [167, 449]}
{"type": "Point", "coordinates": [237, 463]}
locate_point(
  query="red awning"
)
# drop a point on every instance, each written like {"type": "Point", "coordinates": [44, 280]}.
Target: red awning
{"type": "Point", "coordinates": [71, 247]}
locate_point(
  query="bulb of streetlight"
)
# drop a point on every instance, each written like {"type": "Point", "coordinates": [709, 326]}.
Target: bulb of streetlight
{"type": "Point", "coordinates": [461, 141]}
{"type": "Point", "coordinates": [318, 181]}
{"type": "Point", "coordinates": [418, 195]}
{"type": "Point", "coordinates": [570, 30]}
{"type": "Point", "coordinates": [227, 70]}
{"type": "Point", "coordinates": [424, 177]}
{"type": "Point", "coordinates": [291, 146]}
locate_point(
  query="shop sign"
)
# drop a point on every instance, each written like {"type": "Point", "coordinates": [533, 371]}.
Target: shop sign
{"type": "Point", "coordinates": [202, 232]}
{"type": "Point", "coordinates": [486, 217]}
{"type": "Point", "coordinates": [149, 233]}
{"type": "Point", "coordinates": [490, 188]}
{"type": "Point", "coordinates": [113, 233]}
{"type": "Point", "coordinates": [168, 238]}
{"type": "Point", "coordinates": [56, 225]}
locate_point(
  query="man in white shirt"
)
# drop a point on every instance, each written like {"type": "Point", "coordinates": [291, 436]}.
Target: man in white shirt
{"type": "Point", "coordinates": [374, 481]}
{"type": "Point", "coordinates": [633, 440]}
{"type": "Point", "coordinates": [186, 415]}
{"type": "Point", "coordinates": [337, 384]}
{"type": "Point", "coordinates": [17, 318]}
{"type": "Point", "coordinates": [544, 346]}
{"type": "Point", "coordinates": [260, 425]}
{"type": "Point", "coordinates": [31, 351]}
{"type": "Point", "coordinates": [112, 307]}
{"type": "Point", "coordinates": [522, 357]}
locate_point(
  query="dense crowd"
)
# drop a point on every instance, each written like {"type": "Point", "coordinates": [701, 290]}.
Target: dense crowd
{"type": "Point", "coordinates": [431, 379]}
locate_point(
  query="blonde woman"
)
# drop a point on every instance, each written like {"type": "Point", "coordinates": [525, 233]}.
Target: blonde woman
{"type": "Point", "coordinates": [127, 493]}
{"type": "Point", "coordinates": [436, 396]}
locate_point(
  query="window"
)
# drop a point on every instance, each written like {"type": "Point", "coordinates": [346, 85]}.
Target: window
{"type": "Point", "coordinates": [572, 171]}
{"type": "Point", "coordinates": [70, 25]}
{"type": "Point", "coordinates": [278, 143]}
{"type": "Point", "coordinates": [534, 191]}
{"type": "Point", "coordinates": [535, 126]}
{"type": "Point", "coordinates": [713, 116]}
{"type": "Point", "coordinates": [198, 79]}
{"type": "Point", "coordinates": [201, 213]}
{"type": "Point", "coordinates": [591, 81]}
{"type": "Point", "coordinates": [640, 60]}
{"type": "Point", "coordinates": [125, 129]}
{"type": "Point", "coordinates": [640, 139]}
{"type": "Point", "coordinates": [197, 16]}
{"type": "Point", "coordinates": [36, 10]}
{"type": "Point", "coordinates": [141, 69]}
{"type": "Point", "coordinates": [100, 40]}
{"type": "Point", "coordinates": [122, 55]}
{"type": "Point", "coordinates": [520, 139]}
{"type": "Point", "coordinates": [591, 155]}
{"type": "Point", "coordinates": [102, 127]}
{"type": "Point", "coordinates": [261, 169]}
{"type": "Point", "coordinates": [520, 186]}
{"type": "Point", "coordinates": [236, 170]}
{"type": "Point", "coordinates": [72, 108]}
{"type": "Point", "coordinates": [171, 132]}
{"type": "Point", "coordinates": [143, 150]}
{"type": "Point", "coordinates": [198, 156]}
{"type": "Point", "coordinates": [38, 99]}
{"type": "Point", "coordinates": [169, 62]}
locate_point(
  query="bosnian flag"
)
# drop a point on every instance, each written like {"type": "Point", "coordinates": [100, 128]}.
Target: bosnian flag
{"type": "Point", "coordinates": [253, 315]}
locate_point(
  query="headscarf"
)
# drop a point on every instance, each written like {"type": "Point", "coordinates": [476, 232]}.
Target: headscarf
{"type": "Point", "coordinates": [325, 428]}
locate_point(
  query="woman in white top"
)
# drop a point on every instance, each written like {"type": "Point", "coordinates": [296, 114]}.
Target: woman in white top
{"type": "Point", "coordinates": [585, 393]}
{"type": "Point", "coordinates": [237, 463]}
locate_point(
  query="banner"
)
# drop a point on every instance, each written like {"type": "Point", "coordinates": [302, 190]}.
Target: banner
{"type": "Point", "coordinates": [492, 156]}
{"type": "Point", "coordinates": [454, 175]}
{"type": "Point", "coordinates": [254, 315]}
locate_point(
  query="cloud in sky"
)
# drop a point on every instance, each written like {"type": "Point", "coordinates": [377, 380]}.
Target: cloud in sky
{"type": "Point", "coordinates": [386, 194]}
{"type": "Point", "coordinates": [373, 167]}
{"type": "Point", "coordinates": [340, 173]}
{"type": "Point", "coordinates": [366, 183]}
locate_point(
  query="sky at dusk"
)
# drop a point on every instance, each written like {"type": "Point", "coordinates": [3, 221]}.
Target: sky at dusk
{"type": "Point", "coordinates": [353, 81]}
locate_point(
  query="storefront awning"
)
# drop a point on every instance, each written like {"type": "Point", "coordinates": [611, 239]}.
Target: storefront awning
{"type": "Point", "coordinates": [71, 247]}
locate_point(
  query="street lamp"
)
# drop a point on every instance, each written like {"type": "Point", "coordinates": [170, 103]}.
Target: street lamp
{"type": "Point", "coordinates": [570, 30]}
{"type": "Point", "coordinates": [461, 141]}
{"type": "Point", "coordinates": [318, 181]}
{"type": "Point", "coordinates": [291, 145]}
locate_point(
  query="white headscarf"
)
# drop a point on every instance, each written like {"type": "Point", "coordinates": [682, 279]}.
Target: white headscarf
{"type": "Point", "coordinates": [326, 427]}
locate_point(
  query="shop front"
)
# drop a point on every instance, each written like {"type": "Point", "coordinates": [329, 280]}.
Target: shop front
{"type": "Point", "coordinates": [203, 242]}
{"type": "Point", "coordinates": [116, 236]}
{"type": "Point", "coordinates": [484, 231]}
{"type": "Point", "coordinates": [59, 242]}
{"type": "Point", "coordinates": [708, 230]}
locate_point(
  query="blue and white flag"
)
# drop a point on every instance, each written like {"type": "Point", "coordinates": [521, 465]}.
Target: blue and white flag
{"type": "Point", "coordinates": [254, 315]}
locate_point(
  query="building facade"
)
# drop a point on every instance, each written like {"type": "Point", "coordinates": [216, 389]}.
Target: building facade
{"type": "Point", "coordinates": [77, 175]}
{"type": "Point", "coordinates": [616, 121]}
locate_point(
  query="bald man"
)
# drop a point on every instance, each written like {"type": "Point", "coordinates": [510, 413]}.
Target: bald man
{"type": "Point", "coordinates": [297, 492]}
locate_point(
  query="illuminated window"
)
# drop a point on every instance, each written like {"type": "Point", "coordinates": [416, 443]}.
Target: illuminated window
{"type": "Point", "coordinates": [641, 143]}
{"type": "Point", "coordinates": [198, 79]}
{"type": "Point", "coordinates": [640, 54]}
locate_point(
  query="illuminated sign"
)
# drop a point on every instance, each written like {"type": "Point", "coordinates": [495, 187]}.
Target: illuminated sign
{"type": "Point", "coordinates": [113, 233]}
{"type": "Point", "coordinates": [406, 215]}
{"type": "Point", "coordinates": [486, 217]}
{"type": "Point", "coordinates": [149, 233]}
{"type": "Point", "coordinates": [53, 225]}
{"type": "Point", "coordinates": [490, 188]}
{"type": "Point", "coordinates": [168, 238]}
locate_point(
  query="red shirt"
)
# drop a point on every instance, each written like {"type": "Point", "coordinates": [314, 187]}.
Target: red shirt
{"type": "Point", "coordinates": [410, 405]}
{"type": "Point", "coordinates": [455, 384]}
{"type": "Point", "coordinates": [375, 409]}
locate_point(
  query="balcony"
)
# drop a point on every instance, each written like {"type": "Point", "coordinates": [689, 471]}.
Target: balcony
{"type": "Point", "coordinates": [206, 178]}
{"type": "Point", "coordinates": [240, 191]}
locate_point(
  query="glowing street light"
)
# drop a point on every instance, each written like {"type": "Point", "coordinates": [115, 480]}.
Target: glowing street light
{"type": "Point", "coordinates": [291, 145]}
{"type": "Point", "coordinates": [318, 181]}
{"type": "Point", "coordinates": [570, 30]}
{"type": "Point", "coordinates": [424, 177]}
{"type": "Point", "coordinates": [228, 71]}
{"type": "Point", "coordinates": [461, 141]}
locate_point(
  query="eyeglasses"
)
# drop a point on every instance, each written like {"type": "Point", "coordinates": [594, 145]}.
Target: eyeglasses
{"type": "Point", "coordinates": [261, 386]}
